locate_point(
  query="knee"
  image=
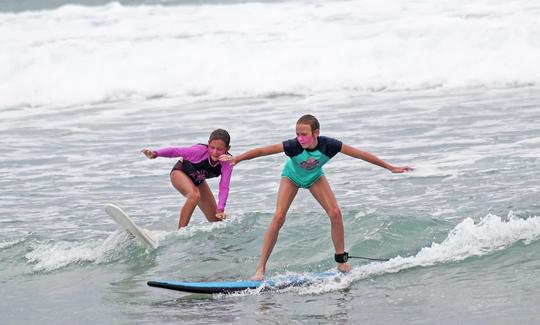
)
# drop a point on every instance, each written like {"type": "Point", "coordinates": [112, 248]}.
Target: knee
{"type": "Point", "coordinates": [194, 197]}
{"type": "Point", "coordinates": [279, 219]}
{"type": "Point", "coordinates": [334, 214]}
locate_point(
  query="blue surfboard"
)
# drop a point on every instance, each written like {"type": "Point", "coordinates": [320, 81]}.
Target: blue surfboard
{"type": "Point", "coordinates": [278, 282]}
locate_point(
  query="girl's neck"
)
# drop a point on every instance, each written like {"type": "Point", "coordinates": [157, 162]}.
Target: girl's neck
{"type": "Point", "coordinates": [212, 162]}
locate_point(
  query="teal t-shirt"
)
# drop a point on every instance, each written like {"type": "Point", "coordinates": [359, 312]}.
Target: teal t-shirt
{"type": "Point", "coordinates": [304, 167]}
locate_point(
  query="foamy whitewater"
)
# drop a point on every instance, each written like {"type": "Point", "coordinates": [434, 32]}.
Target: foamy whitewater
{"type": "Point", "coordinates": [75, 55]}
{"type": "Point", "coordinates": [451, 89]}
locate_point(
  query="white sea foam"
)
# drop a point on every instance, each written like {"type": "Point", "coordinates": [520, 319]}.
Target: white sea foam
{"type": "Point", "coordinates": [76, 54]}
{"type": "Point", "coordinates": [52, 256]}
{"type": "Point", "coordinates": [467, 239]}
{"type": "Point", "coordinates": [10, 243]}
{"type": "Point", "coordinates": [204, 227]}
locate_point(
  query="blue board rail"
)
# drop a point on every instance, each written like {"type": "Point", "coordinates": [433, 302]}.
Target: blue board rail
{"type": "Point", "coordinates": [211, 287]}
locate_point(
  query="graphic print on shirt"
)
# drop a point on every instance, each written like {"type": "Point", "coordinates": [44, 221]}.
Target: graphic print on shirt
{"type": "Point", "coordinates": [304, 166]}
{"type": "Point", "coordinates": [310, 163]}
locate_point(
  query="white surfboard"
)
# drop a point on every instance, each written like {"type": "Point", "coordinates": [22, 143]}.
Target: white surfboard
{"type": "Point", "coordinates": [125, 222]}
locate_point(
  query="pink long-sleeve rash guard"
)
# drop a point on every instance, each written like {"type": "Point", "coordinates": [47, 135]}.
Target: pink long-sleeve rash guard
{"type": "Point", "coordinates": [202, 167]}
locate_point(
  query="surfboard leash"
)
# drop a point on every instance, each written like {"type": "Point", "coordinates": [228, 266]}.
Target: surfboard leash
{"type": "Point", "coordinates": [342, 258]}
{"type": "Point", "coordinates": [371, 258]}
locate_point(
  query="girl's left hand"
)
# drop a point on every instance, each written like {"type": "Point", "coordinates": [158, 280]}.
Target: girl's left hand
{"type": "Point", "coordinates": [221, 215]}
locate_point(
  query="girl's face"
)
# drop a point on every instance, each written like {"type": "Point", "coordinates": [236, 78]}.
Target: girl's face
{"type": "Point", "coordinates": [305, 136]}
{"type": "Point", "coordinates": [216, 148]}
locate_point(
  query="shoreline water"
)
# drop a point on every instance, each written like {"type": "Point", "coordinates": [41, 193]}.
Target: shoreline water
{"type": "Point", "coordinates": [451, 89]}
{"type": "Point", "coordinates": [464, 222]}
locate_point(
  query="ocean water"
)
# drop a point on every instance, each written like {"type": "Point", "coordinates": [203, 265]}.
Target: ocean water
{"type": "Point", "coordinates": [452, 89]}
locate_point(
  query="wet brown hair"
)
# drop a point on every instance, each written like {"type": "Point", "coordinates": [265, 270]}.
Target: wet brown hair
{"type": "Point", "coordinates": [309, 120]}
{"type": "Point", "coordinates": [220, 134]}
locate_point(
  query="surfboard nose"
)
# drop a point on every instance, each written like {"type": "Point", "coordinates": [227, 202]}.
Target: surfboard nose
{"type": "Point", "coordinates": [126, 223]}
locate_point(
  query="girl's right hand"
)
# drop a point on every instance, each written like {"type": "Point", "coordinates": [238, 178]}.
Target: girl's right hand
{"type": "Point", "coordinates": [403, 169]}
{"type": "Point", "coordinates": [150, 154]}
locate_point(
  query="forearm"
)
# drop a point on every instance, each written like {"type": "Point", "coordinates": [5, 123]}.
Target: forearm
{"type": "Point", "coordinates": [170, 152]}
{"type": "Point", "coordinates": [222, 198]}
{"type": "Point", "coordinates": [366, 156]}
{"type": "Point", "coordinates": [193, 153]}
{"type": "Point", "coordinates": [259, 152]}
{"type": "Point", "coordinates": [375, 160]}
{"type": "Point", "coordinates": [224, 184]}
{"type": "Point", "coordinates": [250, 154]}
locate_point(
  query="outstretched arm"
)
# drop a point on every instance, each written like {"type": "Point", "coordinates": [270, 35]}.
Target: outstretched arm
{"type": "Point", "coordinates": [366, 156]}
{"type": "Point", "coordinates": [253, 153]}
{"type": "Point", "coordinates": [196, 152]}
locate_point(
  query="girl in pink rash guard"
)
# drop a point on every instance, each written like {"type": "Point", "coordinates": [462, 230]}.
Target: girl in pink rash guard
{"type": "Point", "coordinates": [189, 175]}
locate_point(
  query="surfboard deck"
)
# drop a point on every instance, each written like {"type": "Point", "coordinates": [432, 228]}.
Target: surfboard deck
{"type": "Point", "coordinates": [212, 287]}
{"type": "Point", "coordinates": [126, 223]}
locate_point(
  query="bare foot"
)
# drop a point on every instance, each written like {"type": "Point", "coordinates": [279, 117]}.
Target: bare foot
{"type": "Point", "coordinates": [259, 276]}
{"type": "Point", "coordinates": [343, 267]}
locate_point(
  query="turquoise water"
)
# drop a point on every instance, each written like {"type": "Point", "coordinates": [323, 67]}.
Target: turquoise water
{"type": "Point", "coordinates": [85, 92]}
{"type": "Point", "coordinates": [461, 231]}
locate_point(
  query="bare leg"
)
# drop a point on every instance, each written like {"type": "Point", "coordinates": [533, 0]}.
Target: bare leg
{"type": "Point", "coordinates": [207, 203]}
{"type": "Point", "coordinates": [185, 186]}
{"type": "Point", "coordinates": [323, 193]}
{"type": "Point", "coordinates": [286, 194]}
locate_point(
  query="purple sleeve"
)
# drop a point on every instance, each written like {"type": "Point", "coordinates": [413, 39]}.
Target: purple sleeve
{"type": "Point", "coordinates": [194, 153]}
{"type": "Point", "coordinates": [226, 172]}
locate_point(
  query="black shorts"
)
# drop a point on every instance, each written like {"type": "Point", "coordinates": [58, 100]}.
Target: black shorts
{"type": "Point", "coordinates": [189, 170]}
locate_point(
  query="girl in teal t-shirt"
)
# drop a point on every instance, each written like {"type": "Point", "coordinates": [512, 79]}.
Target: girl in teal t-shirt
{"type": "Point", "coordinates": [307, 153]}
